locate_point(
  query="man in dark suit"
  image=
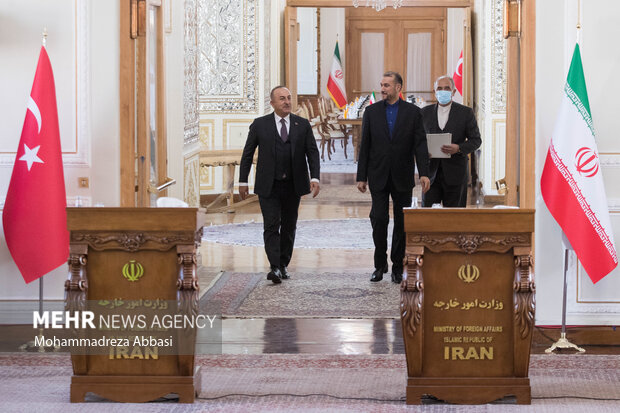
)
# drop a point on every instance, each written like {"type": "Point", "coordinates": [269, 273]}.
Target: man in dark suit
{"type": "Point", "coordinates": [392, 137]}
{"type": "Point", "coordinates": [286, 147]}
{"type": "Point", "coordinates": [449, 175]}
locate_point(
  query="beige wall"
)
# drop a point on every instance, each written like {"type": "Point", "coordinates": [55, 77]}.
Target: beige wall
{"type": "Point", "coordinates": [83, 49]}
{"type": "Point", "coordinates": [332, 28]}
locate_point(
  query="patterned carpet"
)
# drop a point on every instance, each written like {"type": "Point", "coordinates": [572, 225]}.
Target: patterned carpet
{"type": "Point", "coordinates": [322, 295]}
{"type": "Point", "coordinates": [313, 383]}
{"type": "Point", "coordinates": [321, 233]}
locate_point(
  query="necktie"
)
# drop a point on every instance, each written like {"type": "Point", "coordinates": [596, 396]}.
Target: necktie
{"type": "Point", "coordinates": [283, 131]}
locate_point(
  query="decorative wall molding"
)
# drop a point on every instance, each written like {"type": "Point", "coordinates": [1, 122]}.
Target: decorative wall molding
{"type": "Point", "coordinates": [228, 62]}
{"type": "Point", "coordinates": [498, 151]}
{"type": "Point", "coordinates": [207, 141]}
{"type": "Point", "coordinates": [266, 59]}
{"type": "Point", "coordinates": [479, 17]}
{"type": "Point", "coordinates": [167, 5]}
{"type": "Point", "coordinates": [228, 138]}
{"type": "Point", "coordinates": [80, 156]}
{"type": "Point", "coordinates": [190, 96]}
{"type": "Point", "coordinates": [191, 143]}
{"type": "Point", "coordinates": [609, 160]}
{"type": "Point", "coordinates": [576, 303]}
{"type": "Point", "coordinates": [498, 58]}
{"type": "Point", "coordinates": [191, 184]}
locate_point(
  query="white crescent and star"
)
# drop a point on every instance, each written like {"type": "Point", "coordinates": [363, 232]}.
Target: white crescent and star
{"type": "Point", "coordinates": [30, 155]}
{"type": "Point", "coordinates": [34, 109]}
{"type": "Point", "coordinates": [459, 65]}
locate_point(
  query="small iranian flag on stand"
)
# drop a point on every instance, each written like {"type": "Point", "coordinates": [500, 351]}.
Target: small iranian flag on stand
{"type": "Point", "coordinates": [571, 183]}
{"type": "Point", "coordinates": [335, 83]}
{"type": "Point", "coordinates": [372, 99]}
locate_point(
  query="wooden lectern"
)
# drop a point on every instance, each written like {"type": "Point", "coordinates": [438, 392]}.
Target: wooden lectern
{"type": "Point", "coordinates": [108, 245]}
{"type": "Point", "coordinates": [467, 304]}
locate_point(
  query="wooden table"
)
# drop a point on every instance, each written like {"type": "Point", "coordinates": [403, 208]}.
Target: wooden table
{"type": "Point", "coordinates": [356, 131]}
{"type": "Point", "coordinates": [229, 159]}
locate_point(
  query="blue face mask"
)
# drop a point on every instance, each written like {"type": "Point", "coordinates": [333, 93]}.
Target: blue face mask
{"type": "Point", "coordinates": [443, 96]}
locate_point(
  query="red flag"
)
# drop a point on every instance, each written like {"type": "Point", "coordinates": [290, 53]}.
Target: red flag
{"type": "Point", "coordinates": [34, 217]}
{"type": "Point", "coordinates": [458, 75]}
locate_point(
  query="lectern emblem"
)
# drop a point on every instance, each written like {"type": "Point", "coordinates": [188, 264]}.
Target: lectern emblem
{"type": "Point", "coordinates": [469, 273]}
{"type": "Point", "coordinates": [133, 270]}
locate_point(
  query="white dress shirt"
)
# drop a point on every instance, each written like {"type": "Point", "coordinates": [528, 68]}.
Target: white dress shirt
{"type": "Point", "coordinates": [287, 121]}
{"type": "Point", "coordinates": [443, 113]}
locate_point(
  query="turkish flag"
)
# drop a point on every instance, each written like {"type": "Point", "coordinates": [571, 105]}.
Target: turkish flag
{"type": "Point", "coordinates": [35, 217]}
{"type": "Point", "coordinates": [458, 75]}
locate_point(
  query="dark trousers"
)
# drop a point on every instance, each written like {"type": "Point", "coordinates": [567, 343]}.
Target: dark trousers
{"type": "Point", "coordinates": [451, 196]}
{"type": "Point", "coordinates": [380, 218]}
{"type": "Point", "coordinates": [280, 222]}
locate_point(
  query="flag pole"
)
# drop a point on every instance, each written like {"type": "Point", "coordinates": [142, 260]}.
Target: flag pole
{"type": "Point", "coordinates": [563, 341]}
{"type": "Point", "coordinates": [44, 44]}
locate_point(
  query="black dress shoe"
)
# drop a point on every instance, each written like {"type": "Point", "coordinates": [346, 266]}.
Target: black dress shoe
{"type": "Point", "coordinates": [285, 275]}
{"type": "Point", "coordinates": [274, 275]}
{"type": "Point", "coordinates": [378, 274]}
{"type": "Point", "coordinates": [397, 277]}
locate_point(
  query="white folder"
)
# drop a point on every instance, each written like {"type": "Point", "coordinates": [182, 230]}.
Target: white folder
{"type": "Point", "coordinates": [435, 141]}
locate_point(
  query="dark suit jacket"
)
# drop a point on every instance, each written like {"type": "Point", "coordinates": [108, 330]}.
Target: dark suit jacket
{"type": "Point", "coordinates": [464, 129]}
{"type": "Point", "coordinates": [380, 157]}
{"type": "Point", "coordinates": [263, 134]}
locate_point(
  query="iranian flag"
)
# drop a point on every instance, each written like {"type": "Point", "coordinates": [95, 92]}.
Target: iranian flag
{"type": "Point", "coordinates": [335, 83]}
{"type": "Point", "coordinates": [572, 184]}
{"type": "Point", "coordinates": [34, 216]}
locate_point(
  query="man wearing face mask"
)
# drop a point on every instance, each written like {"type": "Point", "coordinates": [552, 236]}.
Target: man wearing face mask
{"type": "Point", "coordinates": [449, 175]}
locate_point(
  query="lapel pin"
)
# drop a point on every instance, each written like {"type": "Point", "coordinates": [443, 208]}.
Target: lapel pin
{"type": "Point", "coordinates": [296, 123]}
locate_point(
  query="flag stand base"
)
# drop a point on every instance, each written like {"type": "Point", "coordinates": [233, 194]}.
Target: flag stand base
{"type": "Point", "coordinates": [564, 343]}
{"type": "Point", "coordinates": [32, 345]}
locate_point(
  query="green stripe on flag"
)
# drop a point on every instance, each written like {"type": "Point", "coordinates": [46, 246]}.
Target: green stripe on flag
{"type": "Point", "coordinates": [576, 90]}
{"type": "Point", "coordinates": [337, 52]}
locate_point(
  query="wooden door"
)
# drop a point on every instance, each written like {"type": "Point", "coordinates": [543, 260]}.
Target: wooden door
{"type": "Point", "coordinates": [291, 36]}
{"type": "Point", "coordinates": [369, 44]}
{"type": "Point", "coordinates": [143, 121]}
{"type": "Point", "coordinates": [423, 37]}
{"type": "Point", "coordinates": [391, 40]}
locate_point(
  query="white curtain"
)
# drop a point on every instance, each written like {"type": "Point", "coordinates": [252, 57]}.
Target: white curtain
{"type": "Point", "coordinates": [372, 61]}
{"type": "Point", "coordinates": [418, 63]}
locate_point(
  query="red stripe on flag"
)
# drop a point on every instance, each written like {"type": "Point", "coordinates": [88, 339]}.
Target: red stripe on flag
{"type": "Point", "coordinates": [567, 211]}
{"type": "Point", "coordinates": [335, 93]}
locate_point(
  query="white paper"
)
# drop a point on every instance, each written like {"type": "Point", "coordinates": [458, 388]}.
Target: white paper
{"type": "Point", "coordinates": [435, 141]}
